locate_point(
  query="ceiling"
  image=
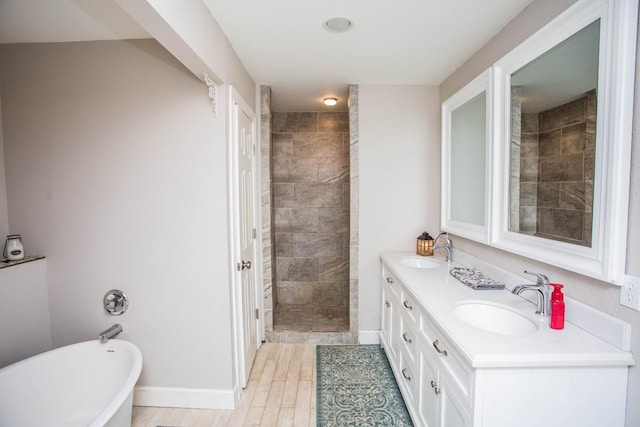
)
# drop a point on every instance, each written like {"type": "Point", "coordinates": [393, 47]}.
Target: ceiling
{"type": "Point", "coordinates": [32, 21]}
{"type": "Point", "coordinates": [282, 42]}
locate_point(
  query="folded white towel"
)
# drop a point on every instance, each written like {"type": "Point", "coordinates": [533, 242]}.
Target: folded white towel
{"type": "Point", "coordinates": [474, 278]}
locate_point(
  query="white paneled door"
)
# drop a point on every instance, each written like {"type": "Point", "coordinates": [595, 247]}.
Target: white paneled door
{"type": "Point", "coordinates": [247, 293]}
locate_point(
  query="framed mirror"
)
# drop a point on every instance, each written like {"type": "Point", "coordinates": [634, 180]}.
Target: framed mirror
{"type": "Point", "coordinates": [466, 133]}
{"type": "Point", "coordinates": [563, 140]}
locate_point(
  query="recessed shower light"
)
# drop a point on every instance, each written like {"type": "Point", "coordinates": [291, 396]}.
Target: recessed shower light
{"type": "Point", "coordinates": [330, 101]}
{"type": "Point", "coordinates": [337, 25]}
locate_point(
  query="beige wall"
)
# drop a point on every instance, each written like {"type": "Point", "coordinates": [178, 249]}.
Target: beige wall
{"type": "Point", "coordinates": [25, 329]}
{"type": "Point", "coordinates": [598, 294]}
{"type": "Point", "coordinates": [116, 171]}
{"type": "Point", "coordinates": [4, 214]}
{"type": "Point", "coordinates": [399, 191]}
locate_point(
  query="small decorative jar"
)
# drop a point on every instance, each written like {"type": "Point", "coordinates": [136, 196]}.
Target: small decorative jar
{"type": "Point", "coordinates": [13, 249]}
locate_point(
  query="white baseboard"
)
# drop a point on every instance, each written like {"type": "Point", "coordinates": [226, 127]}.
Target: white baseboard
{"type": "Point", "coordinates": [172, 397]}
{"type": "Point", "coordinates": [369, 337]}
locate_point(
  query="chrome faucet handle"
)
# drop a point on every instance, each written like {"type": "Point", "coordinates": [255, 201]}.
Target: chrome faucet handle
{"type": "Point", "coordinates": [541, 278]}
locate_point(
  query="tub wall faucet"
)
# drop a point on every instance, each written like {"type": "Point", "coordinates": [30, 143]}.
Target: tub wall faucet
{"type": "Point", "coordinates": [542, 289]}
{"type": "Point", "coordinates": [107, 334]}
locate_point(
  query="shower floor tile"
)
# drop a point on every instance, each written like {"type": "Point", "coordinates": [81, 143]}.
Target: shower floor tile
{"type": "Point", "coordinates": [309, 318]}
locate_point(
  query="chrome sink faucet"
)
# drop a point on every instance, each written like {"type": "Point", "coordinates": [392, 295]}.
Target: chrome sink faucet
{"type": "Point", "coordinates": [542, 289]}
{"type": "Point", "coordinates": [446, 245]}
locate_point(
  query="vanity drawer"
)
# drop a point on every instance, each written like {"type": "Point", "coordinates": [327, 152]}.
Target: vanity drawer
{"type": "Point", "coordinates": [449, 358]}
{"type": "Point", "coordinates": [390, 283]}
{"type": "Point", "coordinates": [407, 379]}
{"type": "Point", "coordinates": [409, 308]}
{"type": "Point", "coordinates": [409, 340]}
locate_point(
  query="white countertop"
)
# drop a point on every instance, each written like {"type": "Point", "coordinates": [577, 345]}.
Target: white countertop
{"type": "Point", "coordinates": [438, 293]}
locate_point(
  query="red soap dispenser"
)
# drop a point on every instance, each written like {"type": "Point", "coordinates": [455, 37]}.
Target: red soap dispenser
{"type": "Point", "coordinates": [557, 307]}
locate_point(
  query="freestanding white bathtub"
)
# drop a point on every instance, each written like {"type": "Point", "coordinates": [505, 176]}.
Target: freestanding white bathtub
{"type": "Point", "coordinates": [85, 384]}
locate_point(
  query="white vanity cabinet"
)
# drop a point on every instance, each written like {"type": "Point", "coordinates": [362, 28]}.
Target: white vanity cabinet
{"type": "Point", "coordinates": [452, 374]}
{"type": "Point", "coordinates": [445, 381]}
{"type": "Point", "coordinates": [421, 360]}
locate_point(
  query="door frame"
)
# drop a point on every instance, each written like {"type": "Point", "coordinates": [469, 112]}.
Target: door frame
{"type": "Point", "coordinates": [233, 99]}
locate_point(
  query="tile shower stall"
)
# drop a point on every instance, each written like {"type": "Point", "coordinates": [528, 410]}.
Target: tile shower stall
{"type": "Point", "coordinates": [555, 200]}
{"type": "Point", "coordinates": [310, 221]}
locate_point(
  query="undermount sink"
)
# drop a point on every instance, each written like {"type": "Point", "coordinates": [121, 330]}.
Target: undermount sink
{"type": "Point", "coordinates": [495, 318]}
{"type": "Point", "coordinates": [419, 263]}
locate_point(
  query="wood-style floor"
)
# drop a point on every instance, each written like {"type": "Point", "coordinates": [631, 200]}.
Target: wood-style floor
{"type": "Point", "coordinates": [281, 392]}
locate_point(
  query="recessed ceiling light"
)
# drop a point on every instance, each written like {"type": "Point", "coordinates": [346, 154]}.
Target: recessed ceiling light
{"type": "Point", "coordinates": [330, 101]}
{"type": "Point", "coordinates": [337, 25]}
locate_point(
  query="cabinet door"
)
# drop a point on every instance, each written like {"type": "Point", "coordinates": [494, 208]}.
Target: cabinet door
{"type": "Point", "coordinates": [452, 412]}
{"type": "Point", "coordinates": [428, 389]}
{"type": "Point", "coordinates": [387, 321]}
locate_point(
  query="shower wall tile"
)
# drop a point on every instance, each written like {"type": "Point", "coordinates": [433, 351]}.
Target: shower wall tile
{"type": "Point", "coordinates": [566, 148]}
{"type": "Point", "coordinates": [284, 244]}
{"type": "Point", "coordinates": [354, 206]}
{"type": "Point", "coordinates": [569, 167]}
{"type": "Point", "coordinates": [568, 224]}
{"type": "Point", "coordinates": [265, 99]}
{"type": "Point", "coordinates": [267, 236]}
{"type": "Point", "coordinates": [323, 144]}
{"type": "Point", "coordinates": [548, 195]}
{"type": "Point", "coordinates": [282, 145]}
{"type": "Point", "coordinates": [333, 220]}
{"type": "Point", "coordinates": [333, 268]}
{"type": "Point", "coordinates": [283, 195]}
{"type": "Point", "coordinates": [329, 294]}
{"type": "Point", "coordinates": [572, 195]}
{"type": "Point", "coordinates": [311, 220]}
{"type": "Point", "coordinates": [333, 122]}
{"type": "Point", "coordinates": [295, 292]}
{"type": "Point", "coordinates": [318, 245]}
{"type": "Point", "coordinates": [295, 170]}
{"type": "Point", "coordinates": [331, 169]}
{"type": "Point", "coordinates": [591, 104]}
{"type": "Point", "coordinates": [319, 195]}
{"type": "Point", "coordinates": [564, 115]}
{"type": "Point", "coordinates": [550, 143]}
{"type": "Point", "coordinates": [588, 198]}
{"type": "Point", "coordinates": [590, 133]}
{"type": "Point", "coordinates": [528, 219]}
{"type": "Point", "coordinates": [589, 165]}
{"type": "Point", "coordinates": [298, 269]}
{"type": "Point", "coordinates": [311, 208]}
{"type": "Point", "coordinates": [528, 193]}
{"type": "Point", "coordinates": [528, 170]}
{"type": "Point", "coordinates": [529, 145]}
{"type": "Point", "coordinates": [530, 123]}
{"type": "Point", "coordinates": [573, 138]}
{"type": "Point", "coordinates": [295, 122]}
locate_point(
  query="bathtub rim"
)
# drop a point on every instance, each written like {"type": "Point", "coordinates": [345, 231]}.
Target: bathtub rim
{"type": "Point", "coordinates": [127, 387]}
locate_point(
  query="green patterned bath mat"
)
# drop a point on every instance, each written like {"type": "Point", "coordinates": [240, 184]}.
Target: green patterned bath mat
{"type": "Point", "coordinates": [356, 387]}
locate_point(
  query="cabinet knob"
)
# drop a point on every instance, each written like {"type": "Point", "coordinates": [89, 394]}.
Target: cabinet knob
{"type": "Point", "coordinates": [387, 303]}
{"type": "Point", "coordinates": [404, 374]}
{"type": "Point", "coordinates": [436, 346]}
{"type": "Point", "coordinates": [389, 280]}
{"type": "Point", "coordinates": [407, 339]}
{"type": "Point", "coordinates": [407, 305]}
